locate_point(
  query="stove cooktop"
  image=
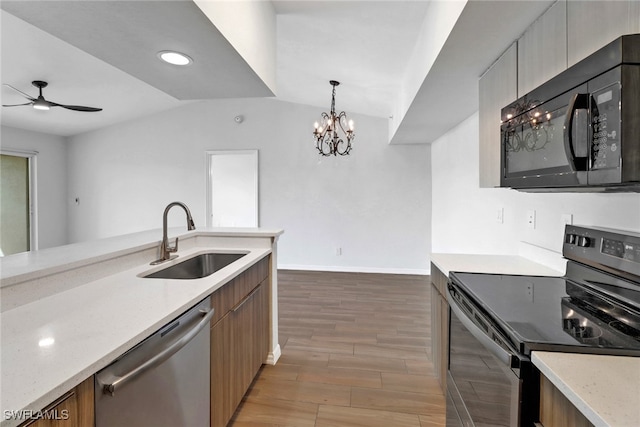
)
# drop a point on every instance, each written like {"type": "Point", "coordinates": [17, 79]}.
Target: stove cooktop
{"type": "Point", "coordinates": [558, 313]}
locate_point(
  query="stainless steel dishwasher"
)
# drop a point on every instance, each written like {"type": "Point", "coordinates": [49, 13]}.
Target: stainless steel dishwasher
{"type": "Point", "coordinates": [164, 380]}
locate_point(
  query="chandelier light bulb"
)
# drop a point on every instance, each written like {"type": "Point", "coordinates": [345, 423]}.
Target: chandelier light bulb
{"type": "Point", "coordinates": [351, 125]}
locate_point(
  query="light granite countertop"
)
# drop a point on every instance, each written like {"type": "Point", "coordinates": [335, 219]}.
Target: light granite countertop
{"type": "Point", "coordinates": [496, 264]}
{"type": "Point", "coordinates": [51, 344]}
{"type": "Point", "coordinates": [606, 389]}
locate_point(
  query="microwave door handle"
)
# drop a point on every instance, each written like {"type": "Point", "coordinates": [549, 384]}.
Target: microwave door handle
{"type": "Point", "coordinates": [578, 101]}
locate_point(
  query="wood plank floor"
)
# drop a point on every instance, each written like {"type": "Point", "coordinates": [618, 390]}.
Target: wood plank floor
{"type": "Point", "coordinates": [355, 352]}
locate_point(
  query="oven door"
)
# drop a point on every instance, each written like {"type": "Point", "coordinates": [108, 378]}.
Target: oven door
{"type": "Point", "coordinates": [486, 379]}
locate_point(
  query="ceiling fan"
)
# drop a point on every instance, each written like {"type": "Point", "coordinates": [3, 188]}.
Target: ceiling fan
{"type": "Point", "coordinates": [40, 103]}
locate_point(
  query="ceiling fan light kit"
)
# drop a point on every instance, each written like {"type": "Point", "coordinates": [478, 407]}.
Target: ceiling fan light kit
{"type": "Point", "coordinates": [40, 103]}
{"type": "Point", "coordinates": [325, 133]}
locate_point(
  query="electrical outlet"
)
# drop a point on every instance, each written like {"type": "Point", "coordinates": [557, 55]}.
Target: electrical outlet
{"type": "Point", "coordinates": [500, 215]}
{"type": "Point", "coordinates": [531, 219]}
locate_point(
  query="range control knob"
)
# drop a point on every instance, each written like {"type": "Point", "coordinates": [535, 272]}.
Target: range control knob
{"type": "Point", "coordinates": [570, 239]}
{"type": "Point", "coordinates": [584, 241]}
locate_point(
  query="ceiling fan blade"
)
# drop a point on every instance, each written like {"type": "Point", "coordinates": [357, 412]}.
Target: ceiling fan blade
{"type": "Point", "coordinates": [29, 97]}
{"type": "Point", "coordinates": [17, 105]}
{"type": "Point", "coordinates": [76, 107]}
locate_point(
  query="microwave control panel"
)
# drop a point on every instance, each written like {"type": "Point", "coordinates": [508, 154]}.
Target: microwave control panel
{"type": "Point", "coordinates": [605, 127]}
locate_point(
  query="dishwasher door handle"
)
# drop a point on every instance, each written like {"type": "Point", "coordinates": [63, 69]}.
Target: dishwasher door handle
{"type": "Point", "coordinates": [111, 387]}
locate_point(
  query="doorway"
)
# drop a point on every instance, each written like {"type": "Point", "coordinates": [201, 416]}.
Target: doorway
{"type": "Point", "coordinates": [17, 202]}
{"type": "Point", "coordinates": [232, 188]}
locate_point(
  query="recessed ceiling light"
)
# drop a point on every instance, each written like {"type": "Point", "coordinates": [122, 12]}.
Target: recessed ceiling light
{"type": "Point", "coordinates": [175, 58]}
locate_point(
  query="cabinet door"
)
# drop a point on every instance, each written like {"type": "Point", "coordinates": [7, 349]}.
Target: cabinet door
{"type": "Point", "coordinates": [436, 334]}
{"type": "Point", "coordinates": [439, 325]}
{"type": "Point", "coordinates": [249, 336]}
{"type": "Point", "coordinates": [556, 410]}
{"type": "Point", "coordinates": [74, 409]}
{"type": "Point", "coordinates": [542, 49]}
{"type": "Point", "coordinates": [444, 342]}
{"type": "Point", "coordinates": [498, 87]}
{"type": "Point", "coordinates": [593, 24]}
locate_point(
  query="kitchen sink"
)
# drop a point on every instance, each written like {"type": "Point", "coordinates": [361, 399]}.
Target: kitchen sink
{"type": "Point", "coordinates": [199, 266]}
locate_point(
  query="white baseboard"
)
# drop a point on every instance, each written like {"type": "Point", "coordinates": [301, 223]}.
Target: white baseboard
{"type": "Point", "coordinates": [274, 355]}
{"type": "Point", "coordinates": [346, 269]}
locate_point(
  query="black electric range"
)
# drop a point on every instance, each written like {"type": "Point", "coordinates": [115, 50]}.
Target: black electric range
{"type": "Point", "coordinates": [496, 321]}
{"type": "Point", "coordinates": [594, 308]}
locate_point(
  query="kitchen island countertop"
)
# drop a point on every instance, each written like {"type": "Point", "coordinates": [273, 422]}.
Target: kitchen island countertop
{"type": "Point", "coordinates": [56, 336]}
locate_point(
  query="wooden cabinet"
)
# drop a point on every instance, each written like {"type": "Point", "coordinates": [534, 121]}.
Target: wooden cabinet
{"type": "Point", "coordinates": [556, 410]}
{"type": "Point", "coordinates": [439, 325]}
{"type": "Point", "coordinates": [73, 409]}
{"type": "Point", "coordinates": [542, 50]}
{"type": "Point", "coordinates": [249, 341]}
{"type": "Point", "coordinates": [239, 339]}
{"type": "Point", "coordinates": [497, 88]}
{"type": "Point", "coordinates": [593, 24]}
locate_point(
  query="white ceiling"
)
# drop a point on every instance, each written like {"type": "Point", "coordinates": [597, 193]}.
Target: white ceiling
{"type": "Point", "coordinates": [365, 45]}
{"type": "Point", "coordinates": [103, 55]}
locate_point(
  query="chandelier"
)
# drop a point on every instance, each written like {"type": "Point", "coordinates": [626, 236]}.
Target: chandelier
{"type": "Point", "coordinates": [328, 141]}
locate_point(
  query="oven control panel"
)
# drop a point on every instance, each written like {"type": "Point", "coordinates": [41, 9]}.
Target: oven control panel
{"type": "Point", "coordinates": [620, 249]}
{"type": "Point", "coordinates": [603, 248]}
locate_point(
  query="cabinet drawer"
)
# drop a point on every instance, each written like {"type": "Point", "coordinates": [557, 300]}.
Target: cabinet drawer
{"type": "Point", "coordinates": [229, 295]}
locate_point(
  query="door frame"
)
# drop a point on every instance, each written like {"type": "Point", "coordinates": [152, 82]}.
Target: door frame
{"type": "Point", "coordinates": [32, 157]}
{"type": "Point", "coordinates": [209, 186]}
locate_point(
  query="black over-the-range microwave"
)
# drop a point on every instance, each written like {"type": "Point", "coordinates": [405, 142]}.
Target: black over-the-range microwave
{"type": "Point", "coordinates": [580, 131]}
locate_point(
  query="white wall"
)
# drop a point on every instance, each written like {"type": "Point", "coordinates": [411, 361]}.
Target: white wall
{"type": "Point", "coordinates": [52, 201]}
{"type": "Point", "coordinates": [374, 204]}
{"type": "Point", "coordinates": [463, 217]}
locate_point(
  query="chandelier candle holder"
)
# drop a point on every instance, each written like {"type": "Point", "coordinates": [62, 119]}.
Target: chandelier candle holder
{"type": "Point", "coordinates": [328, 141]}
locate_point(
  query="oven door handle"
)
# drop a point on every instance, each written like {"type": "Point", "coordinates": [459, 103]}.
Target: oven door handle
{"type": "Point", "coordinates": [500, 353]}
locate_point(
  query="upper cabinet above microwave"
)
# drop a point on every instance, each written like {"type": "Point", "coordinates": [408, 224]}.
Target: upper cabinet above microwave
{"type": "Point", "coordinates": [565, 34]}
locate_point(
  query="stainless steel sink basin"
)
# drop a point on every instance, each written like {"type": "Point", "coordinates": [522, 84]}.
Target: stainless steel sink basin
{"type": "Point", "coordinates": [197, 267]}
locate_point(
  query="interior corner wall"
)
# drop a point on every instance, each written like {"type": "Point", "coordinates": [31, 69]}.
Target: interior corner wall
{"type": "Point", "coordinates": [464, 215]}
{"type": "Point", "coordinates": [51, 181]}
{"type": "Point", "coordinates": [371, 205]}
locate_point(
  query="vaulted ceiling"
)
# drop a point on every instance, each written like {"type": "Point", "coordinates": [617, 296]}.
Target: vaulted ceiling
{"type": "Point", "coordinates": [406, 59]}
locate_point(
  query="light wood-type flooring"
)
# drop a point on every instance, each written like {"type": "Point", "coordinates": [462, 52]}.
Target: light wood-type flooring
{"type": "Point", "coordinates": [355, 352]}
